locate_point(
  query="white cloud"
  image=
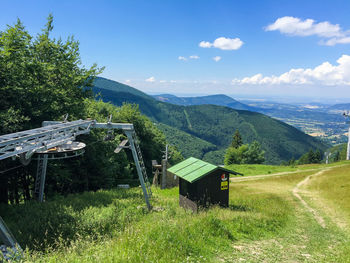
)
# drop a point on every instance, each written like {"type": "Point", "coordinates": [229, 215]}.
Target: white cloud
{"type": "Point", "coordinates": [324, 74]}
{"type": "Point", "coordinates": [162, 81]}
{"type": "Point", "coordinates": [190, 57]}
{"type": "Point", "coordinates": [223, 43]}
{"type": "Point", "coordinates": [127, 81]}
{"type": "Point", "coordinates": [331, 34]}
{"type": "Point", "coordinates": [205, 44]}
{"type": "Point", "coordinates": [150, 79]}
{"type": "Point", "coordinates": [336, 40]}
{"type": "Point", "coordinates": [217, 58]}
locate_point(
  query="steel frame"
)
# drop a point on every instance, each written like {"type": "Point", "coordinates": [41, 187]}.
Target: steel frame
{"type": "Point", "coordinates": [24, 144]}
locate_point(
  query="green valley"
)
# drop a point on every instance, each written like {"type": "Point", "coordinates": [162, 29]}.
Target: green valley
{"type": "Point", "coordinates": [214, 125]}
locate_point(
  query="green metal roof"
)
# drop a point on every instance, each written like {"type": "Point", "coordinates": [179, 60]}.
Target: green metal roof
{"type": "Point", "coordinates": [193, 169]}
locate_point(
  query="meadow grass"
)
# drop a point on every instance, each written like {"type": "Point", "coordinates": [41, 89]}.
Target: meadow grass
{"type": "Point", "coordinates": [331, 191]}
{"type": "Point", "coordinates": [264, 222]}
{"type": "Point", "coordinates": [260, 169]}
{"type": "Point", "coordinates": [303, 239]}
{"type": "Point", "coordinates": [108, 226]}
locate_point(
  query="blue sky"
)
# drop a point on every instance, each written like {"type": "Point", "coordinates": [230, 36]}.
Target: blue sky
{"type": "Point", "coordinates": [262, 48]}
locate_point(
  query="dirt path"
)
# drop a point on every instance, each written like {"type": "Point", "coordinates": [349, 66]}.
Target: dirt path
{"type": "Point", "coordinates": [262, 176]}
{"type": "Point", "coordinates": [296, 191]}
{"type": "Point", "coordinates": [308, 239]}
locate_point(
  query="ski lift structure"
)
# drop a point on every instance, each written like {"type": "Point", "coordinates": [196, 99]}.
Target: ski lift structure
{"type": "Point", "coordinates": [347, 115]}
{"type": "Point", "coordinates": [56, 140]}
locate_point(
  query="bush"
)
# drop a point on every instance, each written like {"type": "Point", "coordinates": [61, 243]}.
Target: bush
{"type": "Point", "coordinates": [245, 154]}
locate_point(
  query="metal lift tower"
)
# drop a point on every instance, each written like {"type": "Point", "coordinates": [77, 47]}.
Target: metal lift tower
{"type": "Point", "coordinates": [53, 134]}
{"type": "Point", "coordinates": [348, 148]}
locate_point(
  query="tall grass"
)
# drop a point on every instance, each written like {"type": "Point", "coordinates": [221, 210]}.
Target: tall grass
{"type": "Point", "coordinates": [114, 226]}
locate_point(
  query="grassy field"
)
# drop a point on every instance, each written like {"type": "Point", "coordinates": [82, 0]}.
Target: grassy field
{"type": "Point", "coordinates": [331, 192]}
{"type": "Point", "coordinates": [259, 169]}
{"type": "Point", "coordinates": [264, 223]}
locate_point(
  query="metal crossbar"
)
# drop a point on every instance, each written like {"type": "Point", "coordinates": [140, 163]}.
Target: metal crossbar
{"type": "Point", "coordinates": [54, 133]}
{"type": "Point", "coordinates": [39, 139]}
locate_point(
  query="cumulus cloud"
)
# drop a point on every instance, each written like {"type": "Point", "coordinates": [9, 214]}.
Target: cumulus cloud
{"type": "Point", "coordinates": [223, 43]}
{"type": "Point", "coordinates": [205, 44]}
{"type": "Point", "coordinates": [331, 34]}
{"type": "Point", "coordinates": [150, 79]}
{"type": "Point", "coordinates": [324, 74]}
{"type": "Point", "coordinates": [127, 81]}
{"type": "Point", "coordinates": [217, 58]}
{"type": "Point", "coordinates": [182, 58]}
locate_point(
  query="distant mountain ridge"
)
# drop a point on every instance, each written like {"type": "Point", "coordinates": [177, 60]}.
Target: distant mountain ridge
{"type": "Point", "coordinates": [211, 127]}
{"type": "Point", "coordinates": [218, 99]}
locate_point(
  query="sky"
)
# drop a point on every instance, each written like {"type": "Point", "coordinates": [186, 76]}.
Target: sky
{"type": "Point", "coordinates": [240, 48]}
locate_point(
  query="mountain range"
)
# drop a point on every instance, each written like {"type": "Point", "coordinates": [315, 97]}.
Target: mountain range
{"type": "Point", "coordinates": [205, 131]}
{"type": "Point", "coordinates": [321, 120]}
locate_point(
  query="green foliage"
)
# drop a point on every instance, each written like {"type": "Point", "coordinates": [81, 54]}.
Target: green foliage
{"type": "Point", "coordinates": [337, 153]}
{"type": "Point", "coordinates": [311, 157]}
{"type": "Point", "coordinates": [245, 154]}
{"type": "Point", "coordinates": [235, 155]}
{"type": "Point", "coordinates": [41, 78]}
{"type": "Point", "coordinates": [237, 140]}
{"type": "Point", "coordinates": [189, 145]}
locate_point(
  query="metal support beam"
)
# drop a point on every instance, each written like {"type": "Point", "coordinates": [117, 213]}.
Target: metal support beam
{"type": "Point", "coordinates": [53, 134]}
{"type": "Point", "coordinates": [9, 241]}
{"type": "Point", "coordinates": [130, 136]}
{"type": "Point", "coordinates": [348, 149]}
{"type": "Point", "coordinates": [40, 177]}
{"type": "Point", "coordinates": [347, 115]}
{"type": "Point", "coordinates": [6, 236]}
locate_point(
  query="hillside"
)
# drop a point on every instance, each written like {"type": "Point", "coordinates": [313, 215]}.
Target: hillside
{"type": "Point", "coordinates": [185, 142]}
{"type": "Point", "coordinates": [270, 216]}
{"type": "Point", "coordinates": [216, 124]}
{"type": "Point", "coordinates": [219, 99]}
{"type": "Point", "coordinates": [114, 86]}
{"type": "Point", "coordinates": [318, 120]}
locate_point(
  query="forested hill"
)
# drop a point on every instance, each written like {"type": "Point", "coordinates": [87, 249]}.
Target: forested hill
{"type": "Point", "coordinates": [218, 99]}
{"type": "Point", "coordinates": [214, 125]}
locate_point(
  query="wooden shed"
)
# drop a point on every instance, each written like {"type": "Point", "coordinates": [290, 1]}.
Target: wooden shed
{"type": "Point", "coordinates": [202, 184]}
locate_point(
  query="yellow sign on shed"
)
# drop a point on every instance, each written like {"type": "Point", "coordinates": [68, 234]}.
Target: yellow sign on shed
{"type": "Point", "coordinates": [224, 185]}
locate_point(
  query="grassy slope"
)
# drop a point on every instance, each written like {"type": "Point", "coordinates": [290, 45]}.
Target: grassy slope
{"type": "Point", "coordinates": [216, 124]}
{"type": "Point", "coordinates": [262, 169]}
{"type": "Point", "coordinates": [264, 223]}
{"type": "Point", "coordinates": [330, 191]}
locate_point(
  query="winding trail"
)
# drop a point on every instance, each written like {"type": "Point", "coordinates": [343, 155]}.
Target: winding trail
{"type": "Point", "coordinates": [262, 176]}
{"type": "Point", "coordinates": [296, 191]}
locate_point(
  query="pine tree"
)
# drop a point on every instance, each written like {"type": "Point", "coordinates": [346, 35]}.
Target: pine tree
{"type": "Point", "coordinates": [237, 140]}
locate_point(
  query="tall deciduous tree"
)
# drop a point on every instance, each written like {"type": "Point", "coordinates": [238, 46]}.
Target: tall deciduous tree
{"type": "Point", "coordinates": [41, 78]}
